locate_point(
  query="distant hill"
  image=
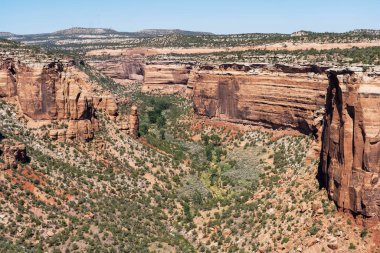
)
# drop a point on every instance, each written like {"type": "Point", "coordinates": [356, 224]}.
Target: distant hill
{"type": "Point", "coordinates": [301, 33]}
{"type": "Point", "coordinates": [82, 30]}
{"type": "Point", "coordinates": [6, 34]}
{"type": "Point", "coordinates": [367, 31]}
{"type": "Point", "coordinates": [162, 32]}
{"type": "Point", "coordinates": [75, 31]}
{"type": "Point", "coordinates": [147, 32]}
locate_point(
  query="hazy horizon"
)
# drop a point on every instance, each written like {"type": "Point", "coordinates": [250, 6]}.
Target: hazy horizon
{"type": "Point", "coordinates": [67, 28]}
{"type": "Point", "coordinates": [219, 17]}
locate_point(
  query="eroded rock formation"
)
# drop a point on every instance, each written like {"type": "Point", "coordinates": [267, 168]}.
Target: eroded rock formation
{"type": "Point", "coordinates": [134, 122]}
{"type": "Point", "coordinates": [8, 85]}
{"type": "Point", "coordinates": [283, 96]}
{"type": "Point", "coordinates": [274, 96]}
{"type": "Point", "coordinates": [167, 77]}
{"type": "Point", "coordinates": [106, 103]}
{"type": "Point", "coordinates": [350, 160]}
{"type": "Point", "coordinates": [54, 91]}
{"type": "Point", "coordinates": [131, 69]}
{"type": "Point", "coordinates": [12, 153]}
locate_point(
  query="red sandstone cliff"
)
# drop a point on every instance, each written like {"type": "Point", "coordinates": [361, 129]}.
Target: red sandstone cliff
{"type": "Point", "coordinates": [350, 161]}
{"type": "Point", "coordinates": [281, 96]}
{"type": "Point", "coordinates": [55, 91]}
{"type": "Point", "coordinates": [274, 96]}
{"type": "Point", "coordinates": [131, 69]}
{"type": "Point", "coordinates": [166, 77]}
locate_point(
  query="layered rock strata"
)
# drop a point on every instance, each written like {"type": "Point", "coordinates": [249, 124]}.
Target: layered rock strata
{"type": "Point", "coordinates": [350, 160]}
{"type": "Point", "coordinates": [130, 69]}
{"type": "Point", "coordinates": [54, 91]}
{"type": "Point", "coordinates": [274, 96]}
{"type": "Point", "coordinates": [301, 98]}
{"type": "Point", "coordinates": [166, 77]}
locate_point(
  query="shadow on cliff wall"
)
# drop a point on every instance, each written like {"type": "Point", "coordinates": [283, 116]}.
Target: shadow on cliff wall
{"type": "Point", "coordinates": [333, 97]}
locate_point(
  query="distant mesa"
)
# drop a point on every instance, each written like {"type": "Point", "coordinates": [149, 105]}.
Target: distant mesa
{"type": "Point", "coordinates": [146, 32]}
{"type": "Point", "coordinates": [78, 31]}
{"type": "Point", "coordinates": [6, 34]}
{"type": "Point", "coordinates": [162, 32]}
{"type": "Point", "coordinates": [107, 31]}
{"type": "Point", "coordinates": [366, 31]}
{"type": "Point", "coordinates": [82, 30]}
{"type": "Point", "coordinates": [301, 33]}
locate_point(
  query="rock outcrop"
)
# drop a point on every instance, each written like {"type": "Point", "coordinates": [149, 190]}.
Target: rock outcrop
{"type": "Point", "coordinates": [276, 96]}
{"type": "Point", "coordinates": [8, 85]}
{"type": "Point", "coordinates": [58, 134]}
{"type": "Point", "coordinates": [106, 104]}
{"type": "Point", "coordinates": [350, 159]}
{"type": "Point", "coordinates": [131, 69]}
{"type": "Point", "coordinates": [12, 153]}
{"type": "Point", "coordinates": [166, 77]}
{"type": "Point", "coordinates": [55, 91]}
{"type": "Point", "coordinates": [134, 122]}
{"type": "Point", "coordinates": [284, 96]}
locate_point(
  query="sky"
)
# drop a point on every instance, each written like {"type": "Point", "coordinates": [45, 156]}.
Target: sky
{"type": "Point", "coordinates": [217, 16]}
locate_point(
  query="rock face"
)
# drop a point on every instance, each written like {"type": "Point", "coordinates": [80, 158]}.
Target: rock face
{"type": "Point", "coordinates": [58, 134]}
{"type": "Point", "coordinates": [134, 122]}
{"type": "Point", "coordinates": [107, 104]}
{"type": "Point", "coordinates": [350, 159]}
{"type": "Point", "coordinates": [166, 77]}
{"type": "Point", "coordinates": [12, 153]}
{"type": "Point", "coordinates": [274, 96]}
{"type": "Point", "coordinates": [131, 69]}
{"type": "Point", "coordinates": [8, 85]}
{"type": "Point", "coordinates": [54, 91]}
{"type": "Point", "coordinates": [282, 96]}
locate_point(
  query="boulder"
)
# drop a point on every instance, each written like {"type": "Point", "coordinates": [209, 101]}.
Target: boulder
{"type": "Point", "coordinates": [332, 243]}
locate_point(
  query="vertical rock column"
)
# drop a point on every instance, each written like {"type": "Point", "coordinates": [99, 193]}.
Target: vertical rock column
{"type": "Point", "coordinates": [350, 162]}
{"type": "Point", "coordinates": [134, 122]}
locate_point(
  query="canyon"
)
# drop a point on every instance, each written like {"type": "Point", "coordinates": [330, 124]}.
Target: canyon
{"type": "Point", "coordinates": [277, 140]}
{"type": "Point", "coordinates": [338, 106]}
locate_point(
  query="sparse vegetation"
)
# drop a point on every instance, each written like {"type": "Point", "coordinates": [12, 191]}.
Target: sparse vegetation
{"type": "Point", "coordinates": [183, 186]}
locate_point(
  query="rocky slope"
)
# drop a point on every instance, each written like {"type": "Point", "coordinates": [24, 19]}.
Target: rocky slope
{"type": "Point", "coordinates": [351, 143]}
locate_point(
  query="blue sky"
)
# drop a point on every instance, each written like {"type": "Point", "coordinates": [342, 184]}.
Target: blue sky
{"type": "Point", "coordinates": [218, 16]}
